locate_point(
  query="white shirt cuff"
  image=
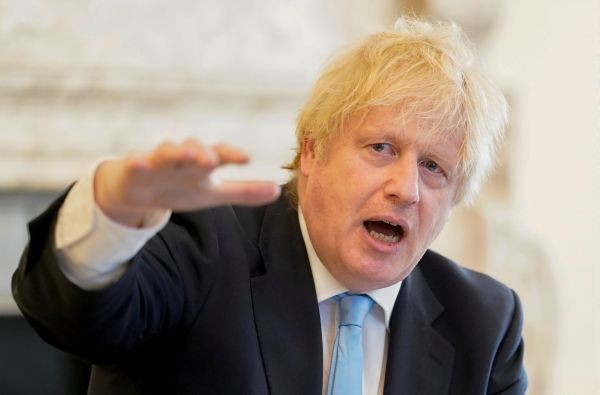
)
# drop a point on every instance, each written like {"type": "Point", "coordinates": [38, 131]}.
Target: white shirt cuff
{"type": "Point", "coordinates": [91, 248]}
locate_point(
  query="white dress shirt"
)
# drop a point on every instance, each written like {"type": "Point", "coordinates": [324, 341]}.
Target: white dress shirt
{"type": "Point", "coordinates": [92, 251]}
{"type": "Point", "coordinates": [375, 327]}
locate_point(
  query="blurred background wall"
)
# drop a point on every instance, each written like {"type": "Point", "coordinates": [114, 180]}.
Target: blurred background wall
{"type": "Point", "coordinates": [85, 79]}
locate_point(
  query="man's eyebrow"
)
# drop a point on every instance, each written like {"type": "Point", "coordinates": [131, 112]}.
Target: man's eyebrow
{"type": "Point", "coordinates": [373, 137]}
{"type": "Point", "coordinates": [384, 130]}
{"type": "Point", "coordinates": [445, 157]}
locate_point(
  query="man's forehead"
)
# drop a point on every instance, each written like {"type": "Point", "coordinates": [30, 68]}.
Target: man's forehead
{"type": "Point", "coordinates": [395, 124]}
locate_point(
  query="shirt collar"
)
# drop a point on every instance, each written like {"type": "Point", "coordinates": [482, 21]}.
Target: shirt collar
{"type": "Point", "coordinates": [327, 286]}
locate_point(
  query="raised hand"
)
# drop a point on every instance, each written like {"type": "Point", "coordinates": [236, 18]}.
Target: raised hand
{"type": "Point", "coordinates": [174, 176]}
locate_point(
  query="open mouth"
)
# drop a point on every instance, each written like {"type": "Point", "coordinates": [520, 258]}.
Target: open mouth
{"type": "Point", "coordinates": [384, 231]}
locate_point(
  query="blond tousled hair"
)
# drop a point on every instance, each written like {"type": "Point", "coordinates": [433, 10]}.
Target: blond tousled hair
{"type": "Point", "coordinates": [426, 70]}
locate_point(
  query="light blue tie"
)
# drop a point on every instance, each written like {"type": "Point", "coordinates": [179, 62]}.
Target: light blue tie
{"type": "Point", "coordinates": [346, 371]}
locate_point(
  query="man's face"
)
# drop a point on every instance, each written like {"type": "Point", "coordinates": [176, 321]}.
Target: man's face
{"type": "Point", "coordinates": [377, 198]}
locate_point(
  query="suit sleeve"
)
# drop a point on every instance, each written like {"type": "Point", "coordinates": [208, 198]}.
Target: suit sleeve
{"type": "Point", "coordinates": [102, 326]}
{"type": "Point", "coordinates": [508, 373]}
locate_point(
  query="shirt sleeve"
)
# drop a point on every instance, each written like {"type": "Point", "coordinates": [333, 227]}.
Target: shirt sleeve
{"type": "Point", "coordinates": [93, 250]}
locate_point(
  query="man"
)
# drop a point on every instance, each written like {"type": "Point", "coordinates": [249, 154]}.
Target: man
{"type": "Point", "coordinates": [221, 298]}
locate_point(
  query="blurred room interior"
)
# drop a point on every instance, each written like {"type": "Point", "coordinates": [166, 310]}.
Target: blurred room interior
{"type": "Point", "coordinates": [84, 80]}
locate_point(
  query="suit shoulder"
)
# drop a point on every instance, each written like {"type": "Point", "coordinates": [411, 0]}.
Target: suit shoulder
{"type": "Point", "coordinates": [244, 221]}
{"type": "Point", "coordinates": [460, 288]}
{"type": "Point", "coordinates": [248, 219]}
{"type": "Point", "coordinates": [252, 220]}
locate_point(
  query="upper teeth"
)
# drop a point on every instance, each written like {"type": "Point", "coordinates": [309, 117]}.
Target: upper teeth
{"type": "Point", "coordinates": [389, 223]}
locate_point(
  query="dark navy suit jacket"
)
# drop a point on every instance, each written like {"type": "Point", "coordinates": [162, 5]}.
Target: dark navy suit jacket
{"type": "Point", "coordinates": [222, 301]}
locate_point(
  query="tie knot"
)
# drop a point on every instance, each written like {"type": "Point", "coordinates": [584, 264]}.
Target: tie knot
{"type": "Point", "coordinates": [354, 308]}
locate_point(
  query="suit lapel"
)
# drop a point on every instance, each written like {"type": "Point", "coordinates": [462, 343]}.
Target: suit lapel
{"type": "Point", "coordinates": [419, 361]}
{"type": "Point", "coordinates": [286, 307]}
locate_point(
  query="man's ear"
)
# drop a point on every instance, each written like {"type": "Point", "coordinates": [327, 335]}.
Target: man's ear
{"type": "Point", "coordinates": [307, 156]}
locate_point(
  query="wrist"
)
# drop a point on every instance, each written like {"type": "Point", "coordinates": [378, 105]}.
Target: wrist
{"type": "Point", "coordinates": [106, 185]}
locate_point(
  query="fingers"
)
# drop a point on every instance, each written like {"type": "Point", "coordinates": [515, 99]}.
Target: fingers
{"type": "Point", "coordinates": [193, 152]}
{"type": "Point", "coordinates": [216, 155]}
{"type": "Point", "coordinates": [247, 193]}
{"type": "Point", "coordinates": [169, 154]}
{"type": "Point", "coordinates": [229, 154]}
{"type": "Point", "coordinates": [178, 176]}
{"type": "Point", "coordinates": [202, 155]}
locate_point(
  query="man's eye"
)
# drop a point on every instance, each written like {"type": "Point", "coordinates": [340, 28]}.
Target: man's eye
{"type": "Point", "coordinates": [431, 166]}
{"type": "Point", "coordinates": [383, 148]}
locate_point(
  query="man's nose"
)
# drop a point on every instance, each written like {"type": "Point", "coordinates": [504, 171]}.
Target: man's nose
{"type": "Point", "coordinates": [402, 184]}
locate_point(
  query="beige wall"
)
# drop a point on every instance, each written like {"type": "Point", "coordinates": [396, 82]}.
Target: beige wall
{"type": "Point", "coordinates": [547, 53]}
